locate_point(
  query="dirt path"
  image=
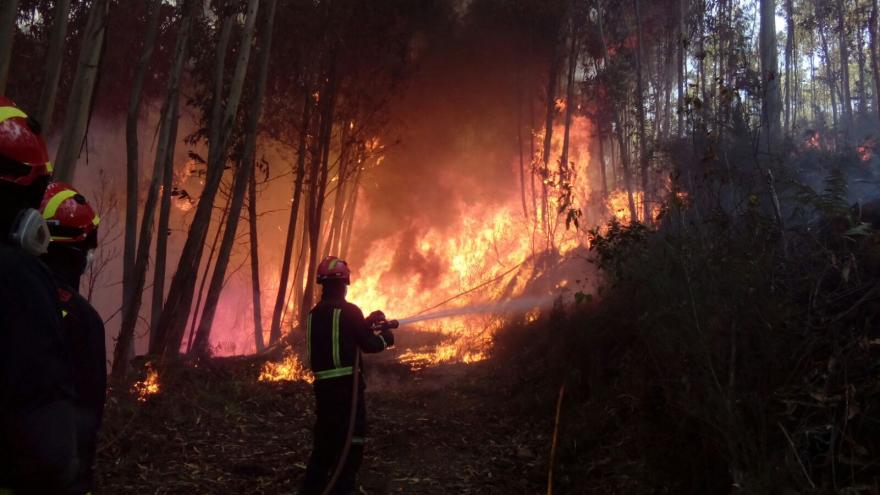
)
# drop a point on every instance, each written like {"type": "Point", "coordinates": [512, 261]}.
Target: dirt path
{"type": "Point", "coordinates": [216, 429]}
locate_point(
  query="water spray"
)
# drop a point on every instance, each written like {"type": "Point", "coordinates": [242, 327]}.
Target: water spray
{"type": "Point", "coordinates": [519, 304]}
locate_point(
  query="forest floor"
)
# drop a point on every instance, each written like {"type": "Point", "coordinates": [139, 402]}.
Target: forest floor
{"type": "Point", "coordinates": [214, 428]}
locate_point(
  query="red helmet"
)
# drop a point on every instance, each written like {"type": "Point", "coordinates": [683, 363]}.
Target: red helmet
{"type": "Point", "coordinates": [71, 219]}
{"type": "Point", "coordinates": [333, 268]}
{"type": "Point", "coordinates": [23, 155]}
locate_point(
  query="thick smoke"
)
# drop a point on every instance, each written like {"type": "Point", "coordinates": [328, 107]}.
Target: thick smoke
{"type": "Point", "coordinates": [457, 125]}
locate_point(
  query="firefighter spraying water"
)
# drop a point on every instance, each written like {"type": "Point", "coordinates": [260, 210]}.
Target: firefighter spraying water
{"type": "Point", "coordinates": [336, 335]}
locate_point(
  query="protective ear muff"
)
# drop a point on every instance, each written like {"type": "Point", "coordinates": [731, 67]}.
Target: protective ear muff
{"type": "Point", "coordinates": [30, 232]}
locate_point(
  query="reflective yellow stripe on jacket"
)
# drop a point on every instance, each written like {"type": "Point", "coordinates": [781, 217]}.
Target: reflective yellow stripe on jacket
{"type": "Point", "coordinates": [337, 370]}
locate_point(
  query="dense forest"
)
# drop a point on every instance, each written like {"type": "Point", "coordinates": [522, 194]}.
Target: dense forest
{"type": "Point", "coordinates": [643, 230]}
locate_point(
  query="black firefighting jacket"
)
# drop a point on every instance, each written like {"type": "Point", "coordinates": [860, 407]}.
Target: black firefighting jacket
{"type": "Point", "coordinates": [84, 334]}
{"type": "Point", "coordinates": [37, 429]}
{"type": "Point", "coordinates": [335, 331]}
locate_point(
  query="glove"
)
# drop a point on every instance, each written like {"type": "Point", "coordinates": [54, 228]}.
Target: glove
{"type": "Point", "coordinates": [375, 317]}
{"type": "Point", "coordinates": [388, 337]}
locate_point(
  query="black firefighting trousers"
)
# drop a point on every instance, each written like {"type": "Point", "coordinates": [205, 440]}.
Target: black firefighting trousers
{"type": "Point", "coordinates": [333, 407]}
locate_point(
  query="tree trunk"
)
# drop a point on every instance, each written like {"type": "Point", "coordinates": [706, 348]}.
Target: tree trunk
{"type": "Point", "coordinates": [204, 280]}
{"type": "Point", "coordinates": [846, 99]}
{"type": "Point", "coordinates": [602, 165]}
{"type": "Point", "coordinates": [162, 231]}
{"type": "Point", "coordinates": [283, 278]}
{"type": "Point", "coordinates": [259, 343]}
{"type": "Point", "coordinates": [319, 185]}
{"type": "Point", "coordinates": [789, 60]}
{"type": "Point", "coordinates": [519, 144]}
{"type": "Point", "coordinates": [201, 346]}
{"type": "Point", "coordinates": [769, 74]}
{"type": "Point", "coordinates": [569, 104]}
{"type": "Point", "coordinates": [682, 60]}
{"type": "Point", "coordinates": [862, 89]}
{"type": "Point", "coordinates": [875, 66]}
{"type": "Point", "coordinates": [829, 75]}
{"type": "Point", "coordinates": [79, 103]}
{"type": "Point", "coordinates": [552, 78]}
{"type": "Point", "coordinates": [8, 15]}
{"type": "Point", "coordinates": [350, 212]}
{"type": "Point", "coordinates": [640, 114]}
{"type": "Point", "coordinates": [339, 195]}
{"type": "Point", "coordinates": [132, 155]}
{"type": "Point", "coordinates": [54, 58]}
{"type": "Point", "coordinates": [130, 317]}
{"type": "Point", "coordinates": [178, 304]}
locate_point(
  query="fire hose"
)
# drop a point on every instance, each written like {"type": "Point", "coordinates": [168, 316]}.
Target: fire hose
{"type": "Point", "coordinates": [352, 414]}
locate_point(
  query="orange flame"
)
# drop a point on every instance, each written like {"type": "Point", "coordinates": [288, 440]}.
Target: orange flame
{"type": "Point", "coordinates": [289, 369]}
{"type": "Point", "coordinates": [148, 386]}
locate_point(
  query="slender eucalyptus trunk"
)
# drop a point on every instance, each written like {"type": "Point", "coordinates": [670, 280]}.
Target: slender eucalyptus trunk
{"type": "Point", "coordinates": [350, 212]}
{"type": "Point", "coordinates": [319, 185]}
{"type": "Point", "coordinates": [201, 345]}
{"type": "Point", "coordinates": [8, 15]}
{"type": "Point", "coordinates": [54, 58]}
{"type": "Point", "coordinates": [846, 99]}
{"type": "Point", "coordinates": [283, 278]}
{"type": "Point", "coordinates": [682, 60]}
{"type": "Point", "coordinates": [179, 302]}
{"type": "Point", "coordinates": [194, 319]}
{"type": "Point", "coordinates": [162, 232]}
{"type": "Point", "coordinates": [640, 114]}
{"type": "Point", "coordinates": [875, 66]}
{"type": "Point", "coordinates": [769, 74]}
{"type": "Point", "coordinates": [789, 60]}
{"type": "Point", "coordinates": [829, 75]}
{"type": "Point", "coordinates": [79, 103]}
{"type": "Point", "coordinates": [259, 343]}
{"type": "Point", "coordinates": [132, 173]}
{"type": "Point", "coordinates": [860, 84]}
{"type": "Point", "coordinates": [130, 317]}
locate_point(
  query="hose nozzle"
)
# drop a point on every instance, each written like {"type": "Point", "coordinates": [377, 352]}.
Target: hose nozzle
{"type": "Point", "coordinates": [385, 325]}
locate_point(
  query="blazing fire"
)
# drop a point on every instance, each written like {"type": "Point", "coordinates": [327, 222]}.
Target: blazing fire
{"type": "Point", "coordinates": [493, 251]}
{"type": "Point", "coordinates": [289, 369]}
{"type": "Point", "coordinates": [148, 386]}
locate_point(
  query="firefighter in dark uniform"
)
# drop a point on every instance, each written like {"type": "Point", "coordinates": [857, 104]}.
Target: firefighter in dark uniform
{"type": "Point", "coordinates": [73, 225]}
{"type": "Point", "coordinates": [37, 428]}
{"type": "Point", "coordinates": [336, 332]}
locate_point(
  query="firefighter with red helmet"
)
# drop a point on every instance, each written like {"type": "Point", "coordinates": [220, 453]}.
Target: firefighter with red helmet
{"type": "Point", "coordinates": [73, 226]}
{"type": "Point", "coordinates": [336, 334]}
{"type": "Point", "coordinates": [37, 426]}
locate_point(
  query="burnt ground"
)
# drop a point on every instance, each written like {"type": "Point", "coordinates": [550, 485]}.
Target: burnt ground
{"type": "Point", "coordinates": [214, 428]}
